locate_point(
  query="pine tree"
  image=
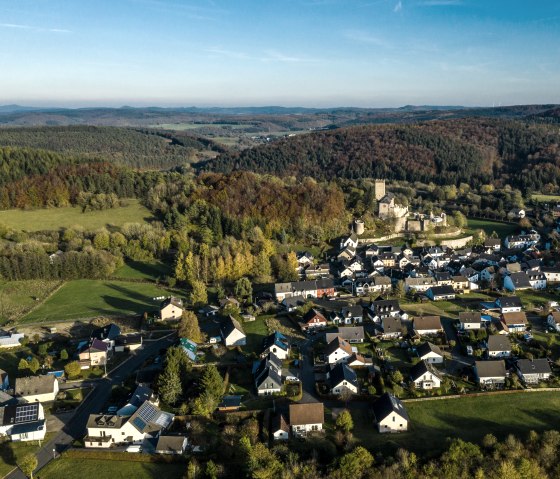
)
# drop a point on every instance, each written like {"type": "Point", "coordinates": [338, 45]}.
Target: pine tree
{"type": "Point", "coordinates": [169, 383]}
{"type": "Point", "coordinates": [198, 295]}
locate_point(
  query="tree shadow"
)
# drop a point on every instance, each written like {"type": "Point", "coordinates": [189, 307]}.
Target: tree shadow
{"type": "Point", "coordinates": [7, 454]}
{"type": "Point", "coordinates": [151, 270]}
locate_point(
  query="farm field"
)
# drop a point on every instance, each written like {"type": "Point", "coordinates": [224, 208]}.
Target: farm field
{"type": "Point", "coordinates": [545, 198]}
{"type": "Point", "coordinates": [18, 297]}
{"type": "Point", "coordinates": [109, 469]}
{"type": "Point", "coordinates": [86, 298]}
{"type": "Point", "coordinates": [503, 229]}
{"type": "Point", "coordinates": [469, 418]}
{"type": "Point", "coordinates": [55, 218]}
{"type": "Point", "coordinates": [143, 270]}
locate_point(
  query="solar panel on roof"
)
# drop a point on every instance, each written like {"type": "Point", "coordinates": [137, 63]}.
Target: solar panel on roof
{"type": "Point", "coordinates": [27, 413]}
{"type": "Point", "coordinates": [139, 423]}
{"type": "Point", "coordinates": [147, 412]}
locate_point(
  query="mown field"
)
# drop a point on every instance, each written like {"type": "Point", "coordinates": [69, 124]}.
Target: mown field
{"type": "Point", "coordinates": [11, 452]}
{"type": "Point", "coordinates": [55, 218]}
{"type": "Point", "coordinates": [545, 198]}
{"type": "Point", "coordinates": [503, 229]}
{"type": "Point", "coordinates": [143, 270]}
{"type": "Point", "coordinates": [86, 298]}
{"type": "Point", "coordinates": [104, 469]}
{"type": "Point", "coordinates": [469, 418]}
{"type": "Point", "coordinates": [18, 297]}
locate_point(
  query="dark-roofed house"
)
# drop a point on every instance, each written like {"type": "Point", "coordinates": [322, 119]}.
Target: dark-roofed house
{"type": "Point", "coordinates": [424, 376]}
{"type": "Point", "coordinates": [36, 388]}
{"type": "Point", "coordinates": [430, 353]}
{"type": "Point", "coordinates": [499, 346]}
{"type": "Point", "coordinates": [469, 320]}
{"type": "Point", "coordinates": [392, 327]}
{"type": "Point", "coordinates": [342, 377]}
{"type": "Point", "coordinates": [171, 308]}
{"type": "Point", "coordinates": [441, 293]}
{"type": "Point", "coordinates": [128, 342]}
{"type": "Point", "coordinates": [509, 304]}
{"type": "Point", "coordinates": [23, 422]}
{"type": "Point", "coordinates": [307, 417]}
{"type": "Point", "coordinates": [313, 319]}
{"type": "Point", "coordinates": [517, 281]}
{"type": "Point", "coordinates": [139, 396]}
{"type": "Point", "coordinates": [384, 308]}
{"type": "Point", "coordinates": [171, 444]}
{"type": "Point", "coordinates": [531, 371]}
{"type": "Point", "coordinates": [108, 334]}
{"type": "Point", "coordinates": [352, 334]}
{"type": "Point", "coordinates": [490, 373]}
{"type": "Point", "coordinates": [553, 320]}
{"type": "Point", "coordinates": [427, 325]}
{"type": "Point", "coordinates": [280, 428]}
{"type": "Point", "coordinates": [230, 403]}
{"type": "Point", "coordinates": [232, 332]}
{"type": "Point", "coordinates": [338, 350]}
{"type": "Point", "coordinates": [277, 344]}
{"type": "Point", "coordinates": [94, 354]}
{"type": "Point", "coordinates": [514, 322]}
{"type": "Point", "coordinates": [390, 414]}
{"type": "Point", "coordinates": [293, 302]}
{"type": "Point", "coordinates": [267, 374]}
{"type": "Point", "coordinates": [352, 314]}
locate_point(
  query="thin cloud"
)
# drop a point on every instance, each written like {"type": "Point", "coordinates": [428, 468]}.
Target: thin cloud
{"type": "Point", "coordinates": [269, 56]}
{"type": "Point", "coordinates": [398, 7]}
{"type": "Point", "coordinates": [17, 26]}
{"type": "Point", "coordinates": [360, 36]}
{"type": "Point", "coordinates": [440, 3]}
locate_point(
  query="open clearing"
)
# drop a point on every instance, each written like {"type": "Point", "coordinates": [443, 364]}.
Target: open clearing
{"type": "Point", "coordinates": [110, 469]}
{"type": "Point", "coordinates": [143, 270]}
{"type": "Point", "coordinates": [545, 198]}
{"type": "Point", "coordinates": [503, 229]}
{"type": "Point", "coordinates": [87, 298]}
{"type": "Point", "coordinates": [19, 297]}
{"type": "Point", "coordinates": [56, 218]}
{"type": "Point", "coordinates": [469, 418]}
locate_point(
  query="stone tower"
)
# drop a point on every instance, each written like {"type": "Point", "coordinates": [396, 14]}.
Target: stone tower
{"type": "Point", "coordinates": [379, 189]}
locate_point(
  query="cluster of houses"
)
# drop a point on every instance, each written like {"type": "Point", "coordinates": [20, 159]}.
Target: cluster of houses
{"type": "Point", "coordinates": [267, 372]}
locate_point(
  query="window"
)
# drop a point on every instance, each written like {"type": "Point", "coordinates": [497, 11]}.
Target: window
{"type": "Point", "coordinates": [394, 418]}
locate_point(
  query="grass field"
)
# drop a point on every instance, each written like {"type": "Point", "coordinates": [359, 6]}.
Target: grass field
{"type": "Point", "coordinates": [545, 198]}
{"type": "Point", "coordinates": [143, 270]}
{"type": "Point", "coordinates": [256, 332]}
{"type": "Point", "coordinates": [86, 298]}
{"type": "Point", "coordinates": [18, 297]}
{"type": "Point", "coordinates": [10, 452]}
{"type": "Point", "coordinates": [103, 469]}
{"type": "Point", "coordinates": [503, 229]}
{"type": "Point", "coordinates": [55, 218]}
{"type": "Point", "coordinates": [468, 418]}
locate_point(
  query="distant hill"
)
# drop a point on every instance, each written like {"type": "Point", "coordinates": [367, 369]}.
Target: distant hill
{"type": "Point", "coordinates": [473, 150]}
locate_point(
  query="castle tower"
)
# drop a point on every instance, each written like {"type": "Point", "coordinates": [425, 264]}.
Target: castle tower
{"type": "Point", "coordinates": [359, 227]}
{"type": "Point", "coordinates": [379, 189]}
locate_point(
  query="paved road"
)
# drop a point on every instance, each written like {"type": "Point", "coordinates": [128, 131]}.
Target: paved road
{"type": "Point", "coordinates": [75, 429]}
{"type": "Point", "coordinates": [307, 373]}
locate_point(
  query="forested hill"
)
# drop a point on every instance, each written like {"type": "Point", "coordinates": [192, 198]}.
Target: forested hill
{"type": "Point", "coordinates": [143, 149]}
{"type": "Point", "coordinates": [474, 151]}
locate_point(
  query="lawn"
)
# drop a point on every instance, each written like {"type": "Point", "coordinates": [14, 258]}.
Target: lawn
{"type": "Point", "coordinates": [545, 198]}
{"type": "Point", "coordinates": [55, 218]}
{"type": "Point", "coordinates": [256, 332]}
{"type": "Point", "coordinates": [503, 229]}
{"type": "Point", "coordinates": [10, 452]}
{"type": "Point", "coordinates": [468, 418]}
{"type": "Point", "coordinates": [19, 297]}
{"type": "Point", "coordinates": [86, 298]}
{"type": "Point", "coordinates": [109, 469]}
{"type": "Point", "coordinates": [143, 270]}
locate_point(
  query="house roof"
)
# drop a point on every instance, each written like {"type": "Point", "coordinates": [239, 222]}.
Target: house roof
{"type": "Point", "coordinates": [391, 325]}
{"type": "Point", "coordinates": [19, 413]}
{"type": "Point", "coordinates": [276, 339]}
{"type": "Point", "coordinates": [312, 313]}
{"type": "Point", "coordinates": [342, 372]}
{"type": "Point", "coordinates": [442, 290]}
{"type": "Point", "coordinates": [348, 333]}
{"type": "Point", "coordinates": [177, 302]}
{"type": "Point", "coordinates": [282, 288]}
{"type": "Point", "coordinates": [128, 339]}
{"type": "Point", "coordinates": [294, 301]}
{"type": "Point", "coordinates": [422, 368]}
{"type": "Point", "coordinates": [498, 342]}
{"type": "Point", "coordinates": [490, 369]}
{"type": "Point", "coordinates": [228, 325]}
{"type": "Point", "coordinates": [110, 331]}
{"type": "Point", "coordinates": [337, 343]}
{"type": "Point", "coordinates": [279, 423]}
{"type": "Point", "coordinates": [427, 348]}
{"type": "Point", "coordinates": [424, 323]}
{"type": "Point", "coordinates": [520, 280]}
{"type": "Point", "coordinates": [509, 302]}
{"type": "Point", "coordinates": [384, 305]}
{"type": "Point", "coordinates": [534, 366]}
{"type": "Point", "coordinates": [32, 385]}
{"type": "Point", "coordinates": [387, 404]}
{"type": "Point", "coordinates": [514, 318]}
{"type": "Point", "coordinates": [230, 401]}
{"type": "Point", "coordinates": [105, 421]}
{"type": "Point", "coordinates": [470, 317]}
{"type": "Point", "coordinates": [171, 443]}
{"type": "Point", "coordinates": [28, 427]}
{"type": "Point", "coordinates": [97, 345]}
{"type": "Point", "coordinates": [148, 418]}
{"type": "Point", "coordinates": [308, 413]}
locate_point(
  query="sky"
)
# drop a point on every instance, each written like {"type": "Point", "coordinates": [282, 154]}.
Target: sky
{"type": "Point", "coordinates": [314, 53]}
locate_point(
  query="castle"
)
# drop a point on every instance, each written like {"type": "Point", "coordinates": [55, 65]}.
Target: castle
{"type": "Point", "coordinates": [388, 208]}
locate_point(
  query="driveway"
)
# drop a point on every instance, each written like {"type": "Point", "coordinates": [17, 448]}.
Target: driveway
{"type": "Point", "coordinates": [76, 427]}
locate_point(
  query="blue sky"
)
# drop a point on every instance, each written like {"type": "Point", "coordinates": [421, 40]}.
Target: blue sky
{"type": "Point", "coordinates": [368, 53]}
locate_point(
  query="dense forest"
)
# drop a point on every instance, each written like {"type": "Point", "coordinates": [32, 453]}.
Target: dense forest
{"type": "Point", "coordinates": [474, 151]}
{"type": "Point", "coordinates": [140, 149]}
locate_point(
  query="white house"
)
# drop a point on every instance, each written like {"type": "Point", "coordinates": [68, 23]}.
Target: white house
{"type": "Point", "coordinates": [174, 445]}
{"type": "Point", "coordinates": [424, 325]}
{"type": "Point", "coordinates": [469, 320]}
{"type": "Point", "coordinates": [514, 322]}
{"type": "Point", "coordinates": [338, 350]}
{"type": "Point", "coordinates": [490, 373]}
{"type": "Point", "coordinates": [509, 304]}
{"type": "Point", "coordinates": [390, 414]}
{"type": "Point", "coordinates": [232, 332]}
{"type": "Point", "coordinates": [23, 422]}
{"type": "Point", "coordinates": [342, 377]}
{"type": "Point", "coordinates": [553, 320]}
{"type": "Point", "coordinates": [280, 428]}
{"type": "Point", "coordinates": [277, 344]}
{"type": "Point", "coordinates": [306, 418]}
{"type": "Point", "coordinates": [36, 388]}
{"type": "Point", "coordinates": [551, 274]}
{"type": "Point", "coordinates": [430, 353]}
{"type": "Point", "coordinates": [424, 376]}
{"type": "Point", "coordinates": [531, 371]}
{"type": "Point", "coordinates": [10, 340]}
{"type": "Point", "coordinates": [171, 308]}
{"type": "Point", "coordinates": [499, 346]}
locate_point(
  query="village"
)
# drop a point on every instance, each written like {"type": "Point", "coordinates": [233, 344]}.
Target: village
{"type": "Point", "coordinates": [368, 329]}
